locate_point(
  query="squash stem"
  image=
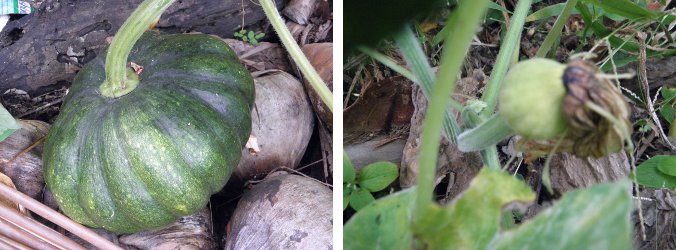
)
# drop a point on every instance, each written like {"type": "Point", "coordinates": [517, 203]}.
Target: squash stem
{"type": "Point", "coordinates": [121, 79]}
{"type": "Point", "coordinates": [464, 22]}
{"type": "Point", "coordinates": [296, 54]}
{"type": "Point", "coordinates": [485, 135]}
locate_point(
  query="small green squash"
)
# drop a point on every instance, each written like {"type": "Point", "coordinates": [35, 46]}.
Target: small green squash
{"type": "Point", "coordinates": [143, 159]}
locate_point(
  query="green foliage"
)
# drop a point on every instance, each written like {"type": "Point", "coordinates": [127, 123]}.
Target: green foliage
{"type": "Point", "coordinates": [410, 219]}
{"type": "Point", "coordinates": [668, 108]}
{"type": "Point", "coordinates": [657, 172]}
{"type": "Point", "coordinates": [547, 12]}
{"type": "Point", "coordinates": [593, 218]}
{"type": "Point", "coordinates": [384, 224]}
{"type": "Point", "coordinates": [624, 8]}
{"type": "Point", "coordinates": [472, 220]}
{"type": "Point", "coordinates": [643, 126]}
{"type": "Point", "coordinates": [372, 178]}
{"type": "Point", "coordinates": [7, 124]}
{"type": "Point", "coordinates": [377, 176]}
{"type": "Point", "coordinates": [249, 36]}
{"type": "Point", "coordinates": [360, 197]}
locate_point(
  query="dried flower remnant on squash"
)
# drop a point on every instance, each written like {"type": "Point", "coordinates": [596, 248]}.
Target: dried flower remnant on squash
{"type": "Point", "coordinates": [591, 133]}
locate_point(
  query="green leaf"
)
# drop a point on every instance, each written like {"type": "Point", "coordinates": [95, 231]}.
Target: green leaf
{"type": "Point", "coordinates": [347, 192]}
{"type": "Point", "coordinates": [384, 224]}
{"type": "Point", "coordinates": [629, 45]}
{"type": "Point", "coordinates": [667, 110]}
{"type": "Point", "coordinates": [377, 176]}
{"type": "Point", "coordinates": [259, 35]}
{"type": "Point", "coordinates": [649, 173]}
{"type": "Point", "coordinates": [624, 8]}
{"type": "Point", "coordinates": [471, 221]}
{"type": "Point", "coordinates": [667, 165]}
{"type": "Point", "coordinates": [594, 218]}
{"type": "Point", "coordinates": [7, 123]}
{"type": "Point", "coordinates": [348, 170]}
{"type": "Point", "coordinates": [668, 93]}
{"type": "Point", "coordinates": [360, 198]}
{"type": "Point", "coordinates": [495, 6]}
{"type": "Point", "coordinates": [547, 12]}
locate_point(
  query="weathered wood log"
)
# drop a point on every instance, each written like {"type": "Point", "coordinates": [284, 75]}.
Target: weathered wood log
{"type": "Point", "coordinates": [569, 172]}
{"type": "Point", "coordinates": [45, 49]}
{"type": "Point", "coordinates": [659, 214]}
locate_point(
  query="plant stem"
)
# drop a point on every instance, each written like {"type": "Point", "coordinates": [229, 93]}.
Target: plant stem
{"type": "Point", "coordinates": [502, 62]}
{"type": "Point", "coordinates": [555, 33]}
{"type": "Point", "coordinates": [464, 23]}
{"type": "Point", "coordinates": [120, 79]}
{"type": "Point", "coordinates": [490, 154]}
{"type": "Point", "coordinates": [388, 62]}
{"type": "Point", "coordinates": [487, 134]}
{"type": "Point", "coordinates": [417, 60]}
{"type": "Point", "coordinates": [298, 57]}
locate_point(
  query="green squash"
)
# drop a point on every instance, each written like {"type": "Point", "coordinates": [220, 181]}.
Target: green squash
{"type": "Point", "coordinates": [144, 159]}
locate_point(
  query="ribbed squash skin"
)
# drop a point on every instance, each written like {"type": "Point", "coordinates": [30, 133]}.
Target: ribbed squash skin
{"type": "Point", "coordinates": [142, 160]}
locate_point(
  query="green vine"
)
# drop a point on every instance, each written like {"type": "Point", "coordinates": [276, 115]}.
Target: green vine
{"type": "Point", "coordinates": [121, 79]}
{"type": "Point", "coordinates": [298, 57]}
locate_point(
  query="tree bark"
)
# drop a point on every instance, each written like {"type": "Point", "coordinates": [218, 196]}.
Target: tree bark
{"type": "Point", "coordinates": [44, 50]}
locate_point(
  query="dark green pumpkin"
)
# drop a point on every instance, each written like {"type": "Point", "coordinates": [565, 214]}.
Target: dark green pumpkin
{"type": "Point", "coordinates": [144, 159]}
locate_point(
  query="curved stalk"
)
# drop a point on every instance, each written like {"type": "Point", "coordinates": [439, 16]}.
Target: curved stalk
{"type": "Point", "coordinates": [465, 20]}
{"type": "Point", "coordinates": [120, 79]}
{"type": "Point", "coordinates": [555, 33]}
{"type": "Point", "coordinates": [298, 57]}
{"type": "Point", "coordinates": [502, 62]}
{"type": "Point", "coordinates": [485, 135]}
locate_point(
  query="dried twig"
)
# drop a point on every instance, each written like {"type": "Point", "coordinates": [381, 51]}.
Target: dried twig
{"type": "Point", "coordinates": [41, 231]}
{"type": "Point", "coordinates": [15, 233]}
{"type": "Point", "coordinates": [35, 144]}
{"type": "Point", "coordinates": [51, 215]}
{"type": "Point", "coordinates": [643, 80]}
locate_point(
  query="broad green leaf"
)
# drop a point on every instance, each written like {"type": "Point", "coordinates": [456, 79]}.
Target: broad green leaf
{"type": "Point", "coordinates": [593, 218]}
{"type": "Point", "coordinates": [348, 170]}
{"type": "Point", "coordinates": [360, 198]}
{"type": "Point", "coordinates": [648, 174]}
{"type": "Point", "coordinates": [7, 123]}
{"type": "Point", "coordinates": [624, 8]}
{"type": "Point", "coordinates": [377, 176]}
{"type": "Point", "coordinates": [547, 12]}
{"type": "Point", "coordinates": [667, 164]}
{"type": "Point", "coordinates": [668, 93]}
{"type": "Point", "coordinates": [384, 224]}
{"type": "Point", "coordinates": [473, 219]}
